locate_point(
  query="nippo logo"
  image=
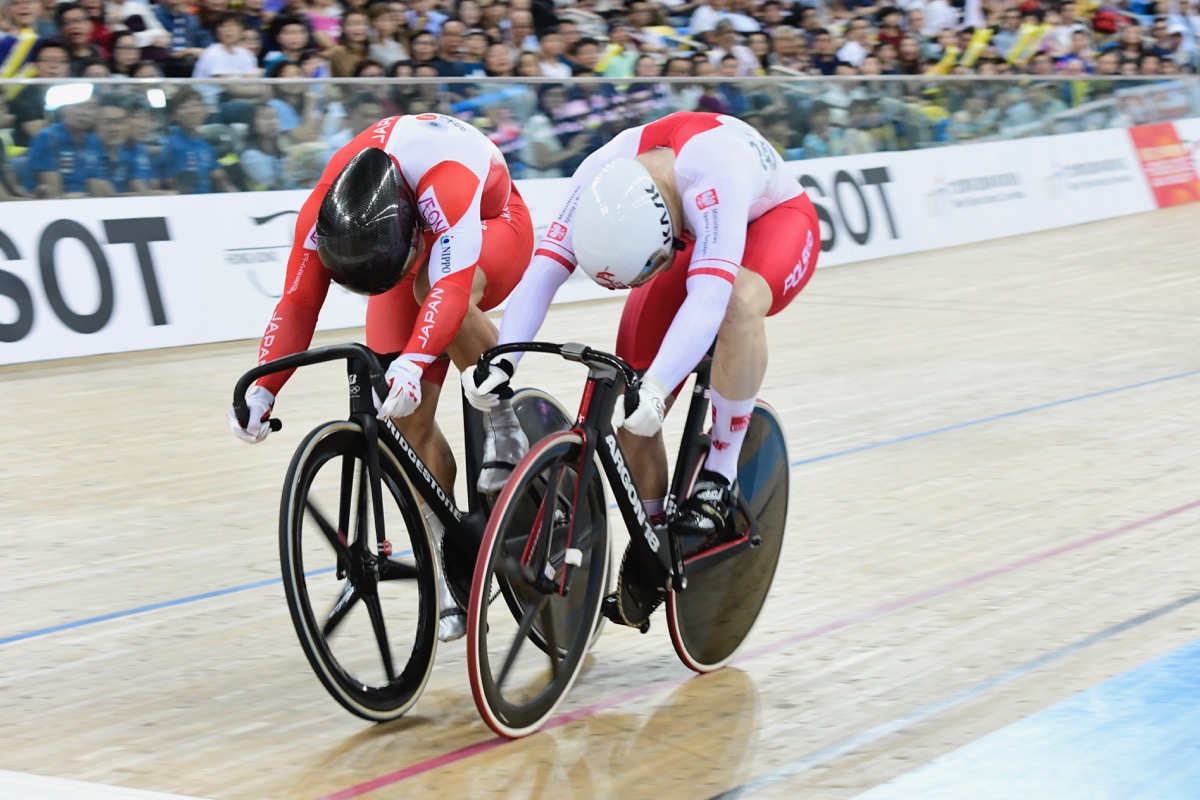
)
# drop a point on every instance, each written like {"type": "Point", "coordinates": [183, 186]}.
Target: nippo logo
{"type": "Point", "coordinates": [557, 231]}
{"type": "Point", "coordinates": [706, 199]}
{"type": "Point", "coordinates": [427, 117]}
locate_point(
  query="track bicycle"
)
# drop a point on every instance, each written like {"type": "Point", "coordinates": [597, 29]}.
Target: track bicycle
{"type": "Point", "coordinates": [713, 591]}
{"type": "Point", "coordinates": [362, 593]}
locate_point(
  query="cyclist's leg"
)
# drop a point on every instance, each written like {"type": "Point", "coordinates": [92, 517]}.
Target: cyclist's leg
{"type": "Point", "coordinates": [390, 320]}
{"type": "Point", "coordinates": [780, 257]}
{"type": "Point", "coordinates": [644, 321]}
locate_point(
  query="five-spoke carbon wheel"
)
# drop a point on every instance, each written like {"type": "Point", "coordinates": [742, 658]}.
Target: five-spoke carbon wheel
{"type": "Point", "coordinates": [365, 612]}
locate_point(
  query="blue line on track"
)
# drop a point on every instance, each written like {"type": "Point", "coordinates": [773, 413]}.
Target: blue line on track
{"type": "Point", "coordinates": [828, 753]}
{"type": "Point", "coordinates": [838, 454]}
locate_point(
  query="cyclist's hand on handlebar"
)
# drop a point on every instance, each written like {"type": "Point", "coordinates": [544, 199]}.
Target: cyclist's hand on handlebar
{"type": "Point", "coordinates": [404, 380]}
{"type": "Point", "coordinates": [647, 418]}
{"type": "Point", "coordinates": [486, 390]}
{"type": "Point", "coordinates": [260, 401]}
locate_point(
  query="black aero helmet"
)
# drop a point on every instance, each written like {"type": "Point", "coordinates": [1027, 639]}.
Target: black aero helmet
{"type": "Point", "coordinates": [366, 223]}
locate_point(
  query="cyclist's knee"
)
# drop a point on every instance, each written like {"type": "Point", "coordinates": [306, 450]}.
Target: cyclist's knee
{"type": "Point", "coordinates": [750, 300]}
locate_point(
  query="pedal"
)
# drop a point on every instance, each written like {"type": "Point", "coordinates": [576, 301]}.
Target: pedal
{"type": "Point", "coordinates": [611, 609]}
{"type": "Point", "coordinates": [636, 597]}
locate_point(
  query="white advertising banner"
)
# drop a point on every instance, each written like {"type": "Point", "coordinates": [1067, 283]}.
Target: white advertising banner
{"type": "Point", "coordinates": [84, 277]}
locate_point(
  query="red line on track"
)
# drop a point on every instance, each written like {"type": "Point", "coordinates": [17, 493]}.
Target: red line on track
{"type": "Point", "coordinates": [878, 611]}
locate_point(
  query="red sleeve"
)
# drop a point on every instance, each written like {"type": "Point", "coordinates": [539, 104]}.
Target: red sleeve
{"type": "Point", "coordinates": [304, 289]}
{"type": "Point", "coordinates": [440, 318]}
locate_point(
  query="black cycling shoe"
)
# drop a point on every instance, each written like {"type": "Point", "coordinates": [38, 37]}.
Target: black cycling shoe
{"type": "Point", "coordinates": [705, 519]}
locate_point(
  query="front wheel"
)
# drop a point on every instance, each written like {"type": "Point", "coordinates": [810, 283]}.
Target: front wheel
{"type": "Point", "coordinates": [711, 618]}
{"type": "Point", "coordinates": [366, 617]}
{"type": "Point", "coordinates": [545, 551]}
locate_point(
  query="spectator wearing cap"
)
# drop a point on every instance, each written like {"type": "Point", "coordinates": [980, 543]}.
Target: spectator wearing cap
{"type": "Point", "coordinates": [725, 42]}
{"type": "Point", "coordinates": [188, 163]}
{"type": "Point", "coordinates": [125, 167]}
{"type": "Point", "coordinates": [75, 31]}
{"type": "Point", "coordinates": [28, 107]}
{"type": "Point", "coordinates": [64, 158]}
{"type": "Point", "coordinates": [137, 17]}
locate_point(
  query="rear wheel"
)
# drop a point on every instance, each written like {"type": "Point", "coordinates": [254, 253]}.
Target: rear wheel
{"type": "Point", "coordinates": [711, 618]}
{"type": "Point", "coordinates": [545, 552]}
{"type": "Point", "coordinates": [366, 618]}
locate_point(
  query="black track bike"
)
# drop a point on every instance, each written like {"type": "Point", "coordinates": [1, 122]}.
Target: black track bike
{"type": "Point", "coordinates": [713, 590]}
{"type": "Point", "coordinates": [357, 555]}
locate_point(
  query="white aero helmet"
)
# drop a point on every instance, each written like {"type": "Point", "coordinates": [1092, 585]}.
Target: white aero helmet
{"type": "Point", "coordinates": [623, 235]}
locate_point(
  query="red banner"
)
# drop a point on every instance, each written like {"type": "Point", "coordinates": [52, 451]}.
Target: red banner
{"type": "Point", "coordinates": [1167, 163]}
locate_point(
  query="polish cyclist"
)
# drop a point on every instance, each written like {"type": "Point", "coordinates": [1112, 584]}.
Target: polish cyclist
{"type": "Point", "coordinates": [694, 213]}
{"type": "Point", "coordinates": [420, 214]}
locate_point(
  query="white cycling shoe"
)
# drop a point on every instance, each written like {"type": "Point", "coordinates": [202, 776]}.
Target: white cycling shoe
{"type": "Point", "coordinates": [505, 443]}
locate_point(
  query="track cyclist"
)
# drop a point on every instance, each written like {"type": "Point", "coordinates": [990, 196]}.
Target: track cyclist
{"type": "Point", "coordinates": [694, 213]}
{"type": "Point", "coordinates": [420, 214]}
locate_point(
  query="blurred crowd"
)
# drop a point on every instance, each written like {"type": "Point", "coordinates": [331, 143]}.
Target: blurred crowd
{"type": "Point", "coordinates": [260, 133]}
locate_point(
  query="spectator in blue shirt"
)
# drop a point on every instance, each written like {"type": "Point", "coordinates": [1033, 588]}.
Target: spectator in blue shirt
{"type": "Point", "coordinates": [65, 157]}
{"type": "Point", "coordinates": [125, 167]}
{"type": "Point", "coordinates": [188, 163]}
{"type": "Point", "coordinates": [187, 39]}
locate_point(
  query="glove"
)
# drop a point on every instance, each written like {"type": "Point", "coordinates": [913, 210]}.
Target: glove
{"type": "Point", "coordinates": [647, 418]}
{"type": "Point", "coordinates": [260, 402]}
{"type": "Point", "coordinates": [404, 380]}
{"type": "Point", "coordinates": [486, 394]}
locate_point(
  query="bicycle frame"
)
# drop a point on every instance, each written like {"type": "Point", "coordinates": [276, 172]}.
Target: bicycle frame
{"type": "Point", "coordinates": [363, 369]}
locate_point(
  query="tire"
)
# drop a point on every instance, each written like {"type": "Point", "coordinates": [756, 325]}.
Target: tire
{"type": "Point", "coordinates": [367, 623]}
{"type": "Point", "coordinates": [711, 618]}
{"type": "Point", "coordinates": [523, 655]}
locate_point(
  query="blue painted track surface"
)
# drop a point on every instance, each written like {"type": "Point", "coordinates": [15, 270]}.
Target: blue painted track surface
{"type": "Point", "coordinates": [1134, 737]}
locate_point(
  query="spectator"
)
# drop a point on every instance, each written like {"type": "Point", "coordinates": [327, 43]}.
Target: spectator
{"type": "Point", "coordinates": [64, 158]}
{"type": "Point", "coordinates": [325, 26]}
{"type": "Point", "coordinates": [547, 153]}
{"type": "Point", "coordinates": [226, 58]}
{"type": "Point", "coordinates": [1129, 46]}
{"type": "Point", "coordinates": [551, 47]}
{"type": "Point", "coordinates": [450, 50]}
{"type": "Point", "coordinates": [855, 48]}
{"type": "Point", "coordinates": [475, 45]}
{"type": "Point", "coordinates": [208, 14]}
{"type": "Point", "coordinates": [253, 16]}
{"type": "Point", "coordinates": [497, 63]}
{"type": "Point", "coordinates": [10, 187]}
{"type": "Point", "coordinates": [387, 46]}
{"type": "Point", "coordinates": [75, 30]}
{"type": "Point", "coordinates": [759, 43]}
{"type": "Point", "coordinates": [681, 96]}
{"type": "Point", "coordinates": [369, 68]}
{"type": "Point", "coordinates": [822, 140]}
{"type": "Point", "coordinates": [101, 32]}
{"type": "Point", "coordinates": [824, 60]}
{"type": "Point", "coordinates": [423, 47]}
{"type": "Point", "coordinates": [145, 131]}
{"type": "Point", "coordinates": [45, 25]}
{"type": "Point", "coordinates": [788, 50]}
{"type": "Point", "coordinates": [135, 16]}
{"type": "Point", "coordinates": [521, 35]}
{"type": "Point", "coordinates": [94, 68]}
{"type": "Point", "coordinates": [145, 69]}
{"type": "Point", "coordinates": [583, 14]}
{"type": "Point", "coordinates": [295, 105]}
{"type": "Point", "coordinates": [290, 35]}
{"type": "Point", "coordinates": [469, 14]}
{"type": "Point", "coordinates": [353, 46]}
{"type": "Point", "coordinates": [313, 65]}
{"type": "Point", "coordinates": [124, 166]}
{"type": "Point", "coordinates": [423, 17]}
{"type": "Point", "coordinates": [725, 42]}
{"type": "Point", "coordinates": [1006, 36]}
{"type": "Point", "coordinates": [909, 60]}
{"type": "Point", "coordinates": [584, 56]}
{"type": "Point", "coordinates": [18, 39]}
{"type": "Point", "coordinates": [528, 65]}
{"type": "Point", "coordinates": [188, 163]}
{"type": "Point", "coordinates": [264, 161]}
{"type": "Point", "coordinates": [179, 21]}
{"type": "Point", "coordinates": [252, 41]}
{"type": "Point", "coordinates": [361, 110]}
{"type": "Point", "coordinates": [28, 108]}
{"type": "Point", "coordinates": [731, 93]}
{"type": "Point", "coordinates": [125, 54]}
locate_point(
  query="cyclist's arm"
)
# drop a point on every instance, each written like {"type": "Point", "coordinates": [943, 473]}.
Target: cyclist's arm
{"type": "Point", "coordinates": [448, 199]}
{"type": "Point", "coordinates": [714, 266]}
{"type": "Point", "coordinates": [304, 289]}
{"type": "Point", "coordinates": [554, 259]}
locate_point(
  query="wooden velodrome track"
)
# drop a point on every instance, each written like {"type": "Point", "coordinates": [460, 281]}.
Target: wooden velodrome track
{"type": "Point", "coordinates": [994, 506]}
